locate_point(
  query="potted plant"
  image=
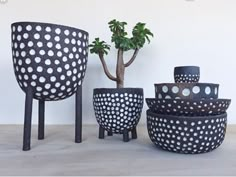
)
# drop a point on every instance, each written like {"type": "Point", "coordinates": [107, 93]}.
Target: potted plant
{"type": "Point", "coordinates": [118, 110]}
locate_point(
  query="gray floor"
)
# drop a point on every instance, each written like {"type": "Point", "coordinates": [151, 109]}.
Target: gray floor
{"type": "Point", "coordinates": [58, 155]}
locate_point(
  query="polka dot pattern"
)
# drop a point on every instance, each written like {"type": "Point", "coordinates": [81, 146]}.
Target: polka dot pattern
{"type": "Point", "coordinates": [186, 78]}
{"type": "Point", "coordinates": [118, 109]}
{"type": "Point", "coordinates": [186, 74]}
{"type": "Point", "coordinates": [44, 56]}
{"type": "Point", "coordinates": [185, 107]}
{"type": "Point", "coordinates": [186, 91]}
{"type": "Point", "coordinates": [186, 135]}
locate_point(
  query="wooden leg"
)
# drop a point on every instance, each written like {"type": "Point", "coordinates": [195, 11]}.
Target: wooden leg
{"type": "Point", "coordinates": [41, 105]}
{"type": "Point", "coordinates": [134, 133]}
{"type": "Point", "coordinates": [126, 135]}
{"type": "Point", "coordinates": [28, 119]}
{"type": "Point", "coordinates": [101, 133]}
{"type": "Point", "coordinates": [78, 115]}
{"type": "Point", "coordinates": [109, 133]}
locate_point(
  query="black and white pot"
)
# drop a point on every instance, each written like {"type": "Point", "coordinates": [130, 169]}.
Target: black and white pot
{"type": "Point", "coordinates": [186, 74]}
{"type": "Point", "coordinates": [118, 110]}
{"type": "Point", "coordinates": [49, 63]}
{"type": "Point", "coordinates": [186, 134]}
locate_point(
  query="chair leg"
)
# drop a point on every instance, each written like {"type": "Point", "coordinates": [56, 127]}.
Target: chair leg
{"type": "Point", "coordinates": [101, 133]}
{"type": "Point", "coordinates": [134, 133]}
{"type": "Point", "coordinates": [41, 105]}
{"type": "Point", "coordinates": [78, 115]}
{"type": "Point", "coordinates": [109, 133]}
{"type": "Point", "coordinates": [27, 121]}
{"type": "Point", "coordinates": [126, 135]}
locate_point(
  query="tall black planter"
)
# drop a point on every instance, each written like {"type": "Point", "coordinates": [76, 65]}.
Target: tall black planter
{"type": "Point", "coordinates": [118, 110]}
{"type": "Point", "coordinates": [187, 74]}
{"type": "Point", "coordinates": [49, 62]}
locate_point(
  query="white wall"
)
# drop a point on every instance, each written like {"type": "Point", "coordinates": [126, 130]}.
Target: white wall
{"type": "Point", "coordinates": [187, 32]}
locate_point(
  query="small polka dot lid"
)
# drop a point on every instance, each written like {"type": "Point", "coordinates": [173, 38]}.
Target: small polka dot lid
{"type": "Point", "coordinates": [48, 58]}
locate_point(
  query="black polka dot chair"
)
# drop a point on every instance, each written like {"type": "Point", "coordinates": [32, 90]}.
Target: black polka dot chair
{"type": "Point", "coordinates": [49, 63]}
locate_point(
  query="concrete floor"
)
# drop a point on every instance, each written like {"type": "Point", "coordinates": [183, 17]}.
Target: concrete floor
{"type": "Point", "coordinates": [58, 155]}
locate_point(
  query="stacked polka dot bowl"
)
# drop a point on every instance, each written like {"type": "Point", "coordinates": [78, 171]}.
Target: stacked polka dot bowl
{"type": "Point", "coordinates": [187, 117]}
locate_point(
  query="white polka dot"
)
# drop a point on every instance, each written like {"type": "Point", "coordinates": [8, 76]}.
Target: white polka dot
{"type": "Point", "coordinates": [39, 89]}
{"type": "Point", "coordinates": [42, 52]}
{"type": "Point", "coordinates": [207, 90]}
{"type": "Point", "coordinates": [30, 44]}
{"type": "Point", "coordinates": [196, 89]}
{"type": "Point", "coordinates": [59, 54]}
{"type": "Point", "coordinates": [34, 76]}
{"type": "Point", "coordinates": [53, 90]}
{"type": "Point", "coordinates": [27, 61]}
{"type": "Point", "coordinates": [58, 46]}
{"type": "Point", "coordinates": [42, 79]}
{"type": "Point", "coordinates": [186, 92]}
{"type": "Point", "coordinates": [28, 27]}
{"type": "Point", "coordinates": [19, 28]}
{"type": "Point", "coordinates": [59, 69]}
{"type": "Point", "coordinates": [57, 38]}
{"type": "Point", "coordinates": [48, 29]}
{"type": "Point", "coordinates": [67, 41]}
{"type": "Point", "coordinates": [49, 44]}
{"type": "Point", "coordinates": [19, 37]}
{"type": "Point", "coordinates": [23, 53]}
{"type": "Point", "coordinates": [39, 44]}
{"type": "Point", "coordinates": [32, 52]}
{"type": "Point", "coordinates": [80, 34]}
{"type": "Point", "coordinates": [47, 86]}
{"type": "Point", "coordinates": [175, 89]}
{"type": "Point", "coordinates": [53, 79]}
{"type": "Point", "coordinates": [66, 50]}
{"type": "Point", "coordinates": [38, 28]}
{"type": "Point", "coordinates": [36, 36]}
{"type": "Point", "coordinates": [37, 60]}
{"type": "Point", "coordinates": [66, 32]}
{"type": "Point", "coordinates": [62, 77]}
{"type": "Point", "coordinates": [58, 30]}
{"type": "Point", "coordinates": [68, 73]}
{"type": "Point", "coordinates": [49, 70]}
{"type": "Point", "coordinates": [39, 68]}
{"type": "Point", "coordinates": [26, 35]}
{"type": "Point", "coordinates": [30, 69]}
{"type": "Point", "coordinates": [50, 53]}
{"type": "Point", "coordinates": [22, 45]}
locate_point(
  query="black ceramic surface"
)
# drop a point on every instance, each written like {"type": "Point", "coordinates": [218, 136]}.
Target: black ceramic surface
{"type": "Point", "coordinates": [117, 110]}
{"type": "Point", "coordinates": [186, 91]}
{"type": "Point", "coordinates": [189, 135]}
{"type": "Point", "coordinates": [186, 74]}
{"type": "Point", "coordinates": [48, 58]}
{"type": "Point", "coordinates": [188, 107]}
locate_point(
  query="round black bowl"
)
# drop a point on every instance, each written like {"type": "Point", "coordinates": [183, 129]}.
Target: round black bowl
{"type": "Point", "coordinates": [187, 107]}
{"type": "Point", "coordinates": [117, 109]}
{"type": "Point", "coordinates": [186, 74]}
{"type": "Point", "coordinates": [188, 135]}
{"type": "Point", "coordinates": [186, 91]}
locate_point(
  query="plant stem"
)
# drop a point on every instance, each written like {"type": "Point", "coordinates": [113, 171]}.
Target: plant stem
{"type": "Point", "coordinates": [109, 75]}
{"type": "Point", "coordinates": [120, 69]}
{"type": "Point", "coordinates": [133, 58]}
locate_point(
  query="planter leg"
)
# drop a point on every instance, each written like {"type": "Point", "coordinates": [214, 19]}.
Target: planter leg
{"type": "Point", "coordinates": [78, 115]}
{"type": "Point", "coordinates": [27, 121]}
{"type": "Point", "coordinates": [41, 119]}
{"type": "Point", "coordinates": [109, 133]}
{"type": "Point", "coordinates": [126, 135]}
{"type": "Point", "coordinates": [101, 133]}
{"type": "Point", "coordinates": [134, 133]}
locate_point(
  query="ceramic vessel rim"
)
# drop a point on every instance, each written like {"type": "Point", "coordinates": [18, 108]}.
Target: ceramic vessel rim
{"type": "Point", "coordinates": [149, 112]}
{"type": "Point", "coordinates": [48, 24]}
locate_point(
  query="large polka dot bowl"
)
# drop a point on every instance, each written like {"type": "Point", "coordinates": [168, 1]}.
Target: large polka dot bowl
{"type": "Point", "coordinates": [186, 91]}
{"type": "Point", "coordinates": [187, 107]}
{"type": "Point", "coordinates": [188, 135]}
{"type": "Point", "coordinates": [118, 109]}
{"type": "Point", "coordinates": [48, 58]}
{"type": "Point", "coordinates": [186, 74]}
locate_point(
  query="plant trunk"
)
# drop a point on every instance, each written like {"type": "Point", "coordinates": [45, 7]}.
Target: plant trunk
{"type": "Point", "coordinates": [120, 69]}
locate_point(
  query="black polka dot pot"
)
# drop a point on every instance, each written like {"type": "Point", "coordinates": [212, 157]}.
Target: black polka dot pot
{"type": "Point", "coordinates": [186, 91]}
{"type": "Point", "coordinates": [49, 63]}
{"type": "Point", "coordinates": [188, 135]}
{"type": "Point", "coordinates": [187, 107]}
{"type": "Point", "coordinates": [118, 110]}
{"type": "Point", "coordinates": [186, 74]}
{"type": "Point", "coordinates": [50, 59]}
